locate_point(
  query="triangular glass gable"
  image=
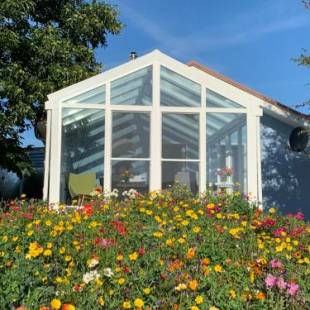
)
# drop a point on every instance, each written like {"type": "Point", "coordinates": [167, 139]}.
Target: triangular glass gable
{"type": "Point", "coordinates": [178, 91]}
{"type": "Point", "coordinates": [94, 96]}
{"type": "Point", "coordinates": [133, 89]}
{"type": "Point", "coordinates": [215, 100]}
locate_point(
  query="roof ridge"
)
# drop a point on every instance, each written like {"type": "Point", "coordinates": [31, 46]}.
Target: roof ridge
{"type": "Point", "coordinates": [194, 63]}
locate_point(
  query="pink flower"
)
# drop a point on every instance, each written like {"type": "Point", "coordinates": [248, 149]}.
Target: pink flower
{"type": "Point", "coordinates": [292, 288]}
{"type": "Point", "coordinates": [299, 216]}
{"type": "Point", "coordinates": [278, 231]}
{"type": "Point", "coordinates": [275, 263]}
{"type": "Point", "coordinates": [270, 281]}
{"type": "Point", "coordinates": [281, 284]}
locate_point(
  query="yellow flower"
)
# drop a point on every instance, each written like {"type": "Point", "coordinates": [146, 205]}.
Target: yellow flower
{"type": "Point", "coordinates": [218, 268]}
{"type": "Point", "coordinates": [185, 222]}
{"type": "Point", "coordinates": [169, 242]}
{"type": "Point", "coordinates": [47, 252]}
{"type": "Point", "coordinates": [147, 291]}
{"type": "Point", "coordinates": [181, 287]}
{"type": "Point", "coordinates": [158, 234]}
{"type": "Point", "coordinates": [101, 301]}
{"type": "Point", "coordinates": [181, 240]}
{"type": "Point", "coordinates": [133, 256]}
{"type": "Point", "coordinates": [126, 305]}
{"type": "Point", "coordinates": [199, 300]}
{"type": "Point", "coordinates": [30, 233]}
{"type": "Point", "coordinates": [232, 294]}
{"type": "Point", "coordinates": [119, 257]}
{"type": "Point", "coordinates": [68, 258]}
{"type": "Point", "coordinates": [196, 229]}
{"type": "Point", "coordinates": [121, 281]}
{"type": "Point", "coordinates": [48, 223]}
{"type": "Point", "coordinates": [138, 303]}
{"type": "Point", "coordinates": [62, 250]}
{"type": "Point", "coordinates": [55, 304]}
{"type": "Point", "coordinates": [194, 308]}
{"type": "Point", "coordinates": [272, 210]}
{"type": "Point", "coordinates": [193, 285]}
{"type": "Point", "coordinates": [213, 308]}
{"type": "Point", "coordinates": [49, 245]}
{"type": "Point", "coordinates": [219, 216]}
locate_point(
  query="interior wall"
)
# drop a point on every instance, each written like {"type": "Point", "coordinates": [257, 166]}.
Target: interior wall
{"type": "Point", "coordinates": [285, 174]}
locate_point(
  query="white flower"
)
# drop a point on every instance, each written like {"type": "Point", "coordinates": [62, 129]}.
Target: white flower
{"type": "Point", "coordinates": [108, 272]}
{"type": "Point", "coordinates": [90, 276]}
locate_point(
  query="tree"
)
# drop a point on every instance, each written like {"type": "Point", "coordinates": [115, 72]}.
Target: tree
{"type": "Point", "coordinates": [304, 58]}
{"type": "Point", "coordinates": [45, 45]}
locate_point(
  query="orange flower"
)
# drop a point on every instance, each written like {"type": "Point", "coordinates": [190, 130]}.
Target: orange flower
{"type": "Point", "coordinates": [205, 261]}
{"type": "Point", "coordinates": [210, 206]}
{"type": "Point", "coordinates": [174, 265]}
{"type": "Point", "coordinates": [193, 285]}
{"type": "Point", "coordinates": [67, 307]}
{"type": "Point", "coordinates": [191, 253]}
{"type": "Point", "coordinates": [260, 296]}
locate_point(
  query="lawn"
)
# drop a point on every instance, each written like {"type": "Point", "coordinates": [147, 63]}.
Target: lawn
{"type": "Point", "coordinates": [166, 250]}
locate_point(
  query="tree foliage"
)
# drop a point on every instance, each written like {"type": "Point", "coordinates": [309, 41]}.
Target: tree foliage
{"type": "Point", "coordinates": [45, 45]}
{"type": "Point", "coordinates": [304, 58]}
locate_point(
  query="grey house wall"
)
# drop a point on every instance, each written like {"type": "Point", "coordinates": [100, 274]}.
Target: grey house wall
{"type": "Point", "coordinates": [285, 174]}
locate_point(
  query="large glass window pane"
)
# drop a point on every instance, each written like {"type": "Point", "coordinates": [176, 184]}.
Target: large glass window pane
{"type": "Point", "coordinates": [133, 89]}
{"type": "Point", "coordinates": [215, 100]}
{"type": "Point", "coordinates": [184, 173]}
{"type": "Point", "coordinates": [94, 96]}
{"type": "Point", "coordinates": [131, 135]}
{"type": "Point", "coordinates": [180, 136]}
{"type": "Point", "coordinates": [127, 174]}
{"type": "Point", "coordinates": [82, 146]}
{"type": "Point", "coordinates": [226, 151]}
{"type": "Point", "coordinates": [176, 90]}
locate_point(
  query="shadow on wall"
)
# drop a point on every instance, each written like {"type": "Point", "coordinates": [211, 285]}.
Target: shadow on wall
{"type": "Point", "coordinates": [285, 174]}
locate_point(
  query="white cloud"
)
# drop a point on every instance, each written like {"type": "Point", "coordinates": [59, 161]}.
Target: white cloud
{"type": "Point", "coordinates": [242, 28]}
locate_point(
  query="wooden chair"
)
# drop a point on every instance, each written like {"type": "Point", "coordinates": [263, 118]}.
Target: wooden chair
{"type": "Point", "coordinates": [81, 185]}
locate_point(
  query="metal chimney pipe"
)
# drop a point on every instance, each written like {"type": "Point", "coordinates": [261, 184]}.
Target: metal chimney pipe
{"type": "Point", "coordinates": [133, 55]}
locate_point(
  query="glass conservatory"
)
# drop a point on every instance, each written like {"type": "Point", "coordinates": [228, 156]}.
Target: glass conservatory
{"type": "Point", "coordinates": [149, 123]}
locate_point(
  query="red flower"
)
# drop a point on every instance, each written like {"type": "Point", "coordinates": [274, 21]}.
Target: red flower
{"type": "Point", "coordinates": [126, 269]}
{"type": "Point", "coordinates": [77, 288]}
{"type": "Point", "coordinates": [119, 226]}
{"type": "Point", "coordinates": [28, 216]}
{"type": "Point", "coordinates": [141, 251]}
{"type": "Point", "coordinates": [88, 210]}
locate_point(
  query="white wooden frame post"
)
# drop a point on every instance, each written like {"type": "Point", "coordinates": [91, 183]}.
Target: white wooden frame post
{"type": "Point", "coordinates": [155, 156]}
{"type": "Point", "coordinates": [107, 140]}
{"type": "Point", "coordinates": [249, 105]}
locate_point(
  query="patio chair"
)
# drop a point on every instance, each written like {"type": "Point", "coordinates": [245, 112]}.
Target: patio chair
{"type": "Point", "coordinates": [81, 185]}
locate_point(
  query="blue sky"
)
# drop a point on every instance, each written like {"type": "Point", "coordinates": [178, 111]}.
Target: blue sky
{"type": "Point", "coordinates": [252, 42]}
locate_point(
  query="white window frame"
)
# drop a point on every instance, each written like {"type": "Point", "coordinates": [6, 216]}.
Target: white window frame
{"type": "Point", "coordinates": [250, 105]}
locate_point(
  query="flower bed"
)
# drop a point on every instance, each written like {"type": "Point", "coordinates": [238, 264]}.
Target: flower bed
{"type": "Point", "coordinates": [164, 251]}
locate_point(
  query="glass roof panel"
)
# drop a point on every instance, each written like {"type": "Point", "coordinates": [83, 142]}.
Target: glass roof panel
{"type": "Point", "coordinates": [133, 89]}
{"type": "Point", "coordinates": [178, 91]}
{"type": "Point", "coordinates": [94, 96]}
{"type": "Point", "coordinates": [215, 100]}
